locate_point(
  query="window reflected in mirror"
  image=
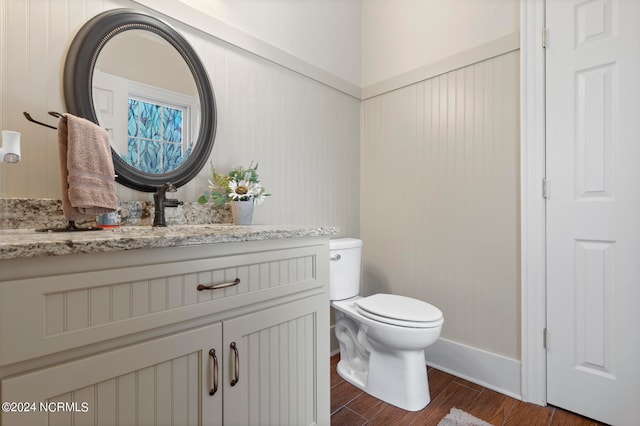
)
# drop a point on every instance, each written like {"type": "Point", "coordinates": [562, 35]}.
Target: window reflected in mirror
{"type": "Point", "coordinates": [156, 142]}
{"type": "Point", "coordinates": [150, 109]}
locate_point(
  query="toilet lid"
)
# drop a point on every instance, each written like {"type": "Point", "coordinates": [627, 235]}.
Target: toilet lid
{"type": "Point", "coordinates": [398, 310]}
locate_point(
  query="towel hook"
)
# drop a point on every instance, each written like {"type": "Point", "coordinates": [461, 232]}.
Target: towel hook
{"type": "Point", "coordinates": [33, 120]}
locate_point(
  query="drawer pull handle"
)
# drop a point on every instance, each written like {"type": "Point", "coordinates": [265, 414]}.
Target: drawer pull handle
{"type": "Point", "coordinates": [236, 364]}
{"type": "Point", "coordinates": [218, 286]}
{"type": "Point", "coordinates": [214, 372]}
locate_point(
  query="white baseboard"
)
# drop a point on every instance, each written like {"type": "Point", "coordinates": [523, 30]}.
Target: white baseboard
{"type": "Point", "coordinates": [487, 369]}
{"type": "Point", "coordinates": [495, 372]}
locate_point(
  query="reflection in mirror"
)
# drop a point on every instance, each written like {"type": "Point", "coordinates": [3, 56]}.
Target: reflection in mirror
{"type": "Point", "coordinates": [138, 77]}
{"type": "Point", "coordinates": [145, 96]}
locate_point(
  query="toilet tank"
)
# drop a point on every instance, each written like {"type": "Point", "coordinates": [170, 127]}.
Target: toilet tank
{"type": "Point", "coordinates": [344, 266]}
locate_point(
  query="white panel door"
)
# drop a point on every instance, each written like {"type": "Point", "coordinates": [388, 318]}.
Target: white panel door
{"type": "Point", "coordinates": [593, 213]}
{"type": "Point", "coordinates": [110, 100]}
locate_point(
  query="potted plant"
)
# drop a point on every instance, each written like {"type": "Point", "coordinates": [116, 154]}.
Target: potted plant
{"type": "Point", "coordinates": [241, 188]}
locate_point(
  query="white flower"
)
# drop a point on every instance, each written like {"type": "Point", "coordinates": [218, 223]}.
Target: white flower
{"type": "Point", "coordinates": [239, 184]}
{"type": "Point", "coordinates": [259, 197]}
{"type": "Point", "coordinates": [243, 190]}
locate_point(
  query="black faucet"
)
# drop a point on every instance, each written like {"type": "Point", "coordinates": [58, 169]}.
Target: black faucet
{"type": "Point", "coordinates": [160, 202]}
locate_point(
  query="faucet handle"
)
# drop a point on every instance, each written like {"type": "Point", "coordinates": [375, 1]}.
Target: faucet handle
{"type": "Point", "coordinates": [160, 202]}
{"type": "Point", "coordinates": [167, 187]}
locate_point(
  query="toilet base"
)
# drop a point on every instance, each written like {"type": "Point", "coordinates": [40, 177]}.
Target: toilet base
{"type": "Point", "coordinates": [399, 379]}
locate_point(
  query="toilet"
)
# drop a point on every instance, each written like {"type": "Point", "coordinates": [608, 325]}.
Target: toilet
{"type": "Point", "coordinates": [382, 337]}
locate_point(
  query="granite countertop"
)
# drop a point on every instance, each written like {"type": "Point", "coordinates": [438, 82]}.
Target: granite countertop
{"type": "Point", "coordinates": [21, 243]}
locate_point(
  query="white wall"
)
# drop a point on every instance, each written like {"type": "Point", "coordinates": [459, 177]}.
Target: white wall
{"type": "Point", "coordinates": [365, 42]}
{"type": "Point", "coordinates": [441, 199]}
{"type": "Point", "coordinates": [438, 190]}
{"type": "Point", "coordinates": [304, 134]}
{"type": "Point", "coordinates": [440, 180]}
{"type": "Point", "coordinates": [401, 35]}
{"type": "Point", "coordinates": [325, 33]}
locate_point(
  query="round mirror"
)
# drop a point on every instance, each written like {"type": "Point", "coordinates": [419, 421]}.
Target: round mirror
{"type": "Point", "coordinates": [137, 77]}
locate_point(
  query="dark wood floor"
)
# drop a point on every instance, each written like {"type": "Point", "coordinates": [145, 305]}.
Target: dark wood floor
{"type": "Point", "coordinates": [351, 406]}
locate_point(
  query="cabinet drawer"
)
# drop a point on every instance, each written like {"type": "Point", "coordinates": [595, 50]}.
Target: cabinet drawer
{"type": "Point", "coordinates": [43, 315]}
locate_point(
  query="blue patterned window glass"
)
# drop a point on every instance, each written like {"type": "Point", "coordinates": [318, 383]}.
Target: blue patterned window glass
{"type": "Point", "coordinates": [156, 137]}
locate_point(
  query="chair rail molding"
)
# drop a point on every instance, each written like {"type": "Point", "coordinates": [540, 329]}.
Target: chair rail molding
{"type": "Point", "coordinates": [238, 38]}
{"type": "Point", "coordinates": [497, 47]}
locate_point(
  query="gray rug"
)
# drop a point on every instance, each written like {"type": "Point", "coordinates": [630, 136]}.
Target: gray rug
{"type": "Point", "coordinates": [458, 417]}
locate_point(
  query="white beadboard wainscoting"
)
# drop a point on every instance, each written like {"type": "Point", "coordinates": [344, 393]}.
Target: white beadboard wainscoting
{"type": "Point", "coordinates": [433, 165]}
{"type": "Point", "coordinates": [441, 218]}
{"type": "Point", "coordinates": [304, 134]}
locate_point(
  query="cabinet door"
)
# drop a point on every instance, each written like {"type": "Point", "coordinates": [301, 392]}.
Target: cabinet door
{"type": "Point", "coordinates": [161, 381]}
{"type": "Point", "coordinates": [281, 364]}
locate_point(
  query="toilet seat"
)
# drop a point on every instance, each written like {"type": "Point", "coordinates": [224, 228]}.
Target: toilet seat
{"type": "Point", "coordinates": [399, 310]}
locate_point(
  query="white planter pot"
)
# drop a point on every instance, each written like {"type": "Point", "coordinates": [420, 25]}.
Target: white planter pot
{"type": "Point", "coordinates": [242, 212]}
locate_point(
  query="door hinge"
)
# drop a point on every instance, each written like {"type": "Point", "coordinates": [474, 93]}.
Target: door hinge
{"type": "Point", "coordinates": [544, 38]}
{"type": "Point", "coordinates": [546, 191]}
{"type": "Point", "coordinates": [544, 338]}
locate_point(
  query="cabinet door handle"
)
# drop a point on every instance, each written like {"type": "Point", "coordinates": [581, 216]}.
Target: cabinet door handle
{"type": "Point", "coordinates": [218, 286]}
{"type": "Point", "coordinates": [214, 372]}
{"type": "Point", "coordinates": [236, 364]}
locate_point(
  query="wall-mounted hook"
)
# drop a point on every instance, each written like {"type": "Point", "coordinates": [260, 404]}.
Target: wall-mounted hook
{"type": "Point", "coordinates": [33, 120]}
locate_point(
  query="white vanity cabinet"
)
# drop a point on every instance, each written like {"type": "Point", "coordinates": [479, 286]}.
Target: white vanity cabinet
{"type": "Point", "coordinates": [126, 338]}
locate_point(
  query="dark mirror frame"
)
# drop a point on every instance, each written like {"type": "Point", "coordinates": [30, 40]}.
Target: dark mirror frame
{"type": "Point", "coordinates": [78, 90]}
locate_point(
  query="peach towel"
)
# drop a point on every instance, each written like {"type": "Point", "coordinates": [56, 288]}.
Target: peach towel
{"type": "Point", "coordinates": [86, 168]}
